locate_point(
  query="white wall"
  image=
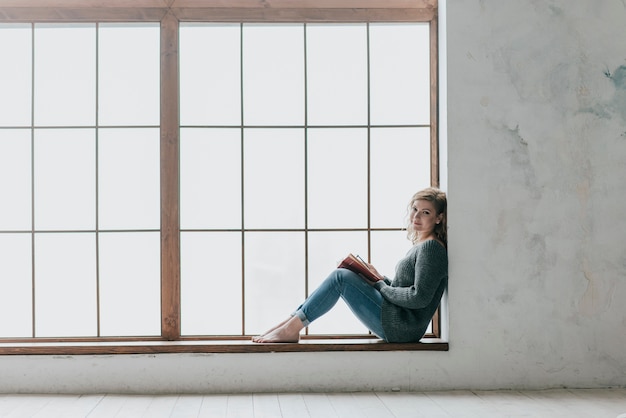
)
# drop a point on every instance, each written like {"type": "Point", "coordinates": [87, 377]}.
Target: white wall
{"type": "Point", "coordinates": [536, 178]}
{"type": "Point", "coordinates": [537, 184]}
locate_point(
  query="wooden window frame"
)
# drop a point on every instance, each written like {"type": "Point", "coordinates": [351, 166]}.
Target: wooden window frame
{"type": "Point", "coordinates": [170, 13]}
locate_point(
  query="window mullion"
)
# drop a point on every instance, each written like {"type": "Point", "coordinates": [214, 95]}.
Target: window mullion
{"type": "Point", "coordinates": [170, 223]}
{"type": "Point", "coordinates": [434, 135]}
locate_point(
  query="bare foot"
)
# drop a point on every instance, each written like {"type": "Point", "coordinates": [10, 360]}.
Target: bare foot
{"type": "Point", "coordinates": [286, 332]}
{"type": "Point", "coordinates": [256, 337]}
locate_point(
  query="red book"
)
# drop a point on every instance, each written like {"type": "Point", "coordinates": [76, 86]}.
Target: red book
{"type": "Point", "coordinates": [358, 266]}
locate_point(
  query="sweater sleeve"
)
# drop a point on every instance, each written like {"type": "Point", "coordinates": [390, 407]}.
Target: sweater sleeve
{"type": "Point", "coordinates": [431, 267]}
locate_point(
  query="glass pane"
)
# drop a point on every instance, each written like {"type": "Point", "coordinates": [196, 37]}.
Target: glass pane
{"type": "Point", "coordinates": [211, 295]}
{"type": "Point", "coordinates": [65, 74]}
{"type": "Point", "coordinates": [326, 250]}
{"type": "Point", "coordinates": [400, 166]}
{"type": "Point", "coordinates": [210, 178]}
{"type": "Point", "coordinates": [274, 178]}
{"type": "Point", "coordinates": [337, 184]}
{"type": "Point", "coordinates": [15, 180]}
{"type": "Point", "coordinates": [274, 278]}
{"type": "Point", "coordinates": [65, 179]}
{"type": "Point", "coordinates": [273, 74]}
{"type": "Point", "coordinates": [210, 74]}
{"type": "Point", "coordinates": [128, 72]}
{"type": "Point", "coordinates": [65, 285]}
{"type": "Point", "coordinates": [337, 74]}
{"type": "Point", "coordinates": [128, 178]}
{"type": "Point", "coordinates": [400, 73]}
{"type": "Point", "coordinates": [16, 285]}
{"type": "Point", "coordinates": [130, 284]}
{"type": "Point", "coordinates": [15, 74]}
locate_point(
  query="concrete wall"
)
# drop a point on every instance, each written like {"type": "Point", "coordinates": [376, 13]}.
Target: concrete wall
{"type": "Point", "coordinates": [536, 175]}
{"type": "Point", "coordinates": [537, 183]}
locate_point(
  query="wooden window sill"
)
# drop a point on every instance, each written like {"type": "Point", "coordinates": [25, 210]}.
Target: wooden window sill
{"type": "Point", "coordinates": [214, 346]}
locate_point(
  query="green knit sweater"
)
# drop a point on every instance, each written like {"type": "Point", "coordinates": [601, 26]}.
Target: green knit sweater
{"type": "Point", "coordinates": [412, 297]}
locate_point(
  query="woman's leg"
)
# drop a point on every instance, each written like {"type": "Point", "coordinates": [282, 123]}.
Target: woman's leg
{"type": "Point", "coordinates": [364, 301]}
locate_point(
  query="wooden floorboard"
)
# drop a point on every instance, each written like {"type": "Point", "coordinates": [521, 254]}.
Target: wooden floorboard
{"type": "Point", "coordinates": [318, 405]}
{"type": "Point", "coordinates": [240, 406]}
{"type": "Point", "coordinates": [266, 405]}
{"type": "Point", "coordinates": [554, 403]}
{"type": "Point", "coordinates": [187, 406]}
{"type": "Point", "coordinates": [213, 406]}
{"type": "Point", "coordinates": [456, 403]}
{"type": "Point", "coordinates": [161, 406]}
{"type": "Point", "coordinates": [420, 403]}
{"type": "Point", "coordinates": [292, 405]}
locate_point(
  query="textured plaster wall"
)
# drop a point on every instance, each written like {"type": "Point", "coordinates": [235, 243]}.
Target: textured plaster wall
{"type": "Point", "coordinates": [537, 181]}
{"type": "Point", "coordinates": [536, 175]}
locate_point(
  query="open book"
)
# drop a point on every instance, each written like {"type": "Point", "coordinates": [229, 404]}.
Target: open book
{"type": "Point", "coordinates": [358, 266]}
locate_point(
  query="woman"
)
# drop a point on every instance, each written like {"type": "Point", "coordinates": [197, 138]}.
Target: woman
{"type": "Point", "coordinates": [397, 310]}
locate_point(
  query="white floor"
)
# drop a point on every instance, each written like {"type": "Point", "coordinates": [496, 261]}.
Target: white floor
{"type": "Point", "coordinates": [592, 403]}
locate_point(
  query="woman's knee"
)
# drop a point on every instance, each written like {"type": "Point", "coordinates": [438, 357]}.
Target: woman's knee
{"type": "Point", "coordinates": [343, 277]}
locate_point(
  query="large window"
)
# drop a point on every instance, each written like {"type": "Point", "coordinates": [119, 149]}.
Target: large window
{"type": "Point", "coordinates": [299, 143]}
{"type": "Point", "coordinates": [195, 179]}
{"type": "Point", "coordinates": [80, 177]}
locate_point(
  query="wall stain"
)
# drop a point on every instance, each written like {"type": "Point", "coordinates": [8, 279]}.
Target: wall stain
{"type": "Point", "coordinates": [556, 11]}
{"type": "Point", "coordinates": [521, 163]}
{"type": "Point", "coordinates": [516, 134]}
{"type": "Point", "coordinates": [619, 78]}
{"type": "Point", "coordinates": [543, 258]}
{"type": "Point", "coordinates": [617, 104]}
{"type": "Point", "coordinates": [597, 298]}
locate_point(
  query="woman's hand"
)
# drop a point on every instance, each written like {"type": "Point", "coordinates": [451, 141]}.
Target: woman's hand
{"type": "Point", "coordinates": [373, 270]}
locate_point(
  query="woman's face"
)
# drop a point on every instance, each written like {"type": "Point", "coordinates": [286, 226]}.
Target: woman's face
{"type": "Point", "coordinates": [424, 217]}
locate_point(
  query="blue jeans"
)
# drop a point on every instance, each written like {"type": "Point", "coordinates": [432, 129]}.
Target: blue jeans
{"type": "Point", "coordinates": [362, 299]}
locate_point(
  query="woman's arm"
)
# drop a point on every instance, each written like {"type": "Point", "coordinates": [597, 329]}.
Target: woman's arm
{"type": "Point", "coordinates": [431, 267]}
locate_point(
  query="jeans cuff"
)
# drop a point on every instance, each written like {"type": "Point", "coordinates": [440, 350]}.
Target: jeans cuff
{"type": "Point", "coordinates": [302, 317]}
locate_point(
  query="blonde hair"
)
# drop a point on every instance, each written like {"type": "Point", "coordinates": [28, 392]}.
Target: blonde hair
{"type": "Point", "coordinates": [440, 202]}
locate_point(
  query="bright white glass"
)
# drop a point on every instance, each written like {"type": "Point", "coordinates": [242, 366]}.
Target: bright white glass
{"type": "Point", "coordinates": [65, 285]}
{"type": "Point", "coordinates": [273, 74]}
{"type": "Point", "coordinates": [128, 74]}
{"type": "Point", "coordinates": [210, 74]}
{"type": "Point", "coordinates": [337, 74]}
{"type": "Point", "coordinates": [65, 74]}
{"type": "Point", "coordinates": [15, 179]}
{"type": "Point", "coordinates": [326, 250]}
{"type": "Point", "coordinates": [274, 178]}
{"type": "Point", "coordinates": [211, 273]}
{"type": "Point", "coordinates": [274, 278]}
{"type": "Point", "coordinates": [210, 178]}
{"type": "Point", "coordinates": [65, 179]}
{"type": "Point", "coordinates": [130, 284]}
{"type": "Point", "coordinates": [400, 166]}
{"type": "Point", "coordinates": [128, 178]}
{"type": "Point", "coordinates": [15, 286]}
{"type": "Point", "coordinates": [337, 178]}
{"type": "Point", "coordinates": [400, 73]}
{"type": "Point", "coordinates": [15, 74]}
